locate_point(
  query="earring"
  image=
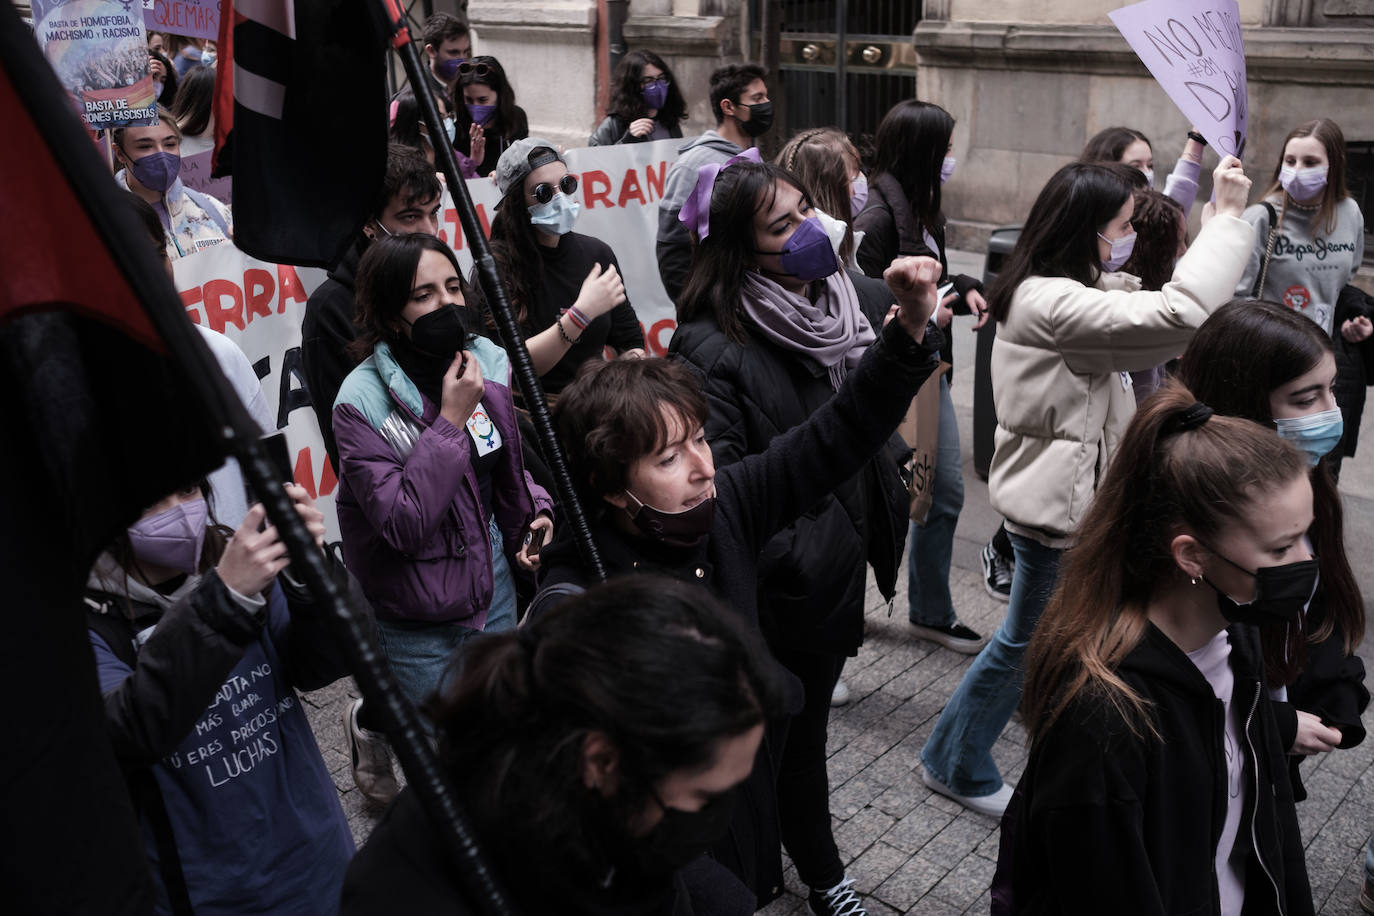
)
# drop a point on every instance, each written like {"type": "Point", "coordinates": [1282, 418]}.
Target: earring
{"type": "Point", "coordinates": [1195, 580]}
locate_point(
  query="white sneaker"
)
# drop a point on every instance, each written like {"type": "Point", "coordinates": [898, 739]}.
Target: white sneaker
{"type": "Point", "coordinates": [994, 805]}
{"type": "Point", "coordinates": [840, 695]}
{"type": "Point", "coordinates": [370, 758]}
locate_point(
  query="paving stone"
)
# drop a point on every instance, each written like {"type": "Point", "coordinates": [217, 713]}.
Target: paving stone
{"type": "Point", "coordinates": [909, 883]}
{"type": "Point", "coordinates": [875, 865]}
{"type": "Point", "coordinates": [854, 835]}
{"type": "Point", "coordinates": [966, 882]}
{"type": "Point", "coordinates": [917, 828]}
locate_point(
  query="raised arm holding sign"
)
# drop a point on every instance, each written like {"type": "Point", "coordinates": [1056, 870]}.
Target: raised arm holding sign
{"type": "Point", "coordinates": [1196, 53]}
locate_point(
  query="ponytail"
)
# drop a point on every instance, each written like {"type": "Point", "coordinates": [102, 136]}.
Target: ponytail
{"type": "Point", "coordinates": [1179, 467]}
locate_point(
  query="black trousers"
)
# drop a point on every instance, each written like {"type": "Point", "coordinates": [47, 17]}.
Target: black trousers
{"type": "Point", "coordinates": [803, 783]}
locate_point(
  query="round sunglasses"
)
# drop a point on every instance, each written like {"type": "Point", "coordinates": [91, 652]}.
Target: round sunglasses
{"type": "Point", "coordinates": [468, 66]}
{"type": "Point", "coordinates": [543, 192]}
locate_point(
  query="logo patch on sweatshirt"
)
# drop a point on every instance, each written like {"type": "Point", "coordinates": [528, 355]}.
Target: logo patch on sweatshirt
{"type": "Point", "coordinates": [1297, 297]}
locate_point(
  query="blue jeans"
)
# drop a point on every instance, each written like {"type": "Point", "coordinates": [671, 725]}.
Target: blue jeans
{"type": "Point", "coordinates": [931, 545]}
{"type": "Point", "coordinates": [959, 752]}
{"type": "Point", "coordinates": [420, 653]}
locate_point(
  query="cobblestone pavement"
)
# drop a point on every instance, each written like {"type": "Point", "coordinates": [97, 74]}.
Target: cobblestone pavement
{"type": "Point", "coordinates": [911, 851]}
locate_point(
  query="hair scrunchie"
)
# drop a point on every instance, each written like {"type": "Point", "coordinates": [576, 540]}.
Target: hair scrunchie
{"type": "Point", "coordinates": [696, 209]}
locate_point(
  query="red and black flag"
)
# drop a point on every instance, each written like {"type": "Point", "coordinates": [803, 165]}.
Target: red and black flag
{"type": "Point", "coordinates": [103, 414]}
{"type": "Point", "coordinates": [300, 122]}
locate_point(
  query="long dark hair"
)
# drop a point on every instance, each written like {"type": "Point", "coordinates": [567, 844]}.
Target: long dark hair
{"type": "Point", "coordinates": [720, 260]}
{"type": "Point", "coordinates": [1164, 477]}
{"type": "Point", "coordinates": [657, 666]}
{"type": "Point", "coordinates": [1157, 222]}
{"type": "Point", "coordinates": [385, 275]}
{"type": "Point", "coordinates": [504, 120]}
{"type": "Point", "coordinates": [1332, 139]}
{"type": "Point", "coordinates": [515, 246]}
{"type": "Point", "coordinates": [169, 82]}
{"type": "Point", "coordinates": [910, 146]}
{"type": "Point", "coordinates": [1109, 144]}
{"type": "Point", "coordinates": [1240, 355]}
{"type": "Point", "coordinates": [626, 101]}
{"type": "Point", "coordinates": [1060, 235]}
{"type": "Point", "coordinates": [191, 108]}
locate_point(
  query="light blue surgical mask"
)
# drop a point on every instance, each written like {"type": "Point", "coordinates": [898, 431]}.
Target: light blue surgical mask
{"type": "Point", "coordinates": [556, 216]}
{"type": "Point", "coordinates": [1121, 251]}
{"type": "Point", "coordinates": [1316, 434]}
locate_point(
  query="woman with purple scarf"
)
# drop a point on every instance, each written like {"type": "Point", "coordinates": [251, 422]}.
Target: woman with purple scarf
{"type": "Point", "coordinates": [773, 325]}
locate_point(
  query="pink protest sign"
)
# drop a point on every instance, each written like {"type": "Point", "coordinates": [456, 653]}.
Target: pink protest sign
{"type": "Point", "coordinates": [196, 18]}
{"type": "Point", "coordinates": [1194, 49]}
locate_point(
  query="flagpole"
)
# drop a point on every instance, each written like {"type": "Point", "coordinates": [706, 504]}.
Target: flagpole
{"type": "Point", "coordinates": [495, 291]}
{"type": "Point", "coordinates": [111, 215]}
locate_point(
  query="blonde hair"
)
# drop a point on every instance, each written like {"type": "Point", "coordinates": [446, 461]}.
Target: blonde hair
{"type": "Point", "coordinates": [820, 159]}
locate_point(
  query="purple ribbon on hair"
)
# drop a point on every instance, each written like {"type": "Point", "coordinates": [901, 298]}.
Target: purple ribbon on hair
{"type": "Point", "coordinates": [696, 209]}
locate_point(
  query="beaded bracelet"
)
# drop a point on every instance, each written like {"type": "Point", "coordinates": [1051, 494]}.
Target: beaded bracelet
{"type": "Point", "coordinates": [562, 333]}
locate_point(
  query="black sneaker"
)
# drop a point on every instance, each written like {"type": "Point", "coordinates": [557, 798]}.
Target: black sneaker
{"type": "Point", "coordinates": [996, 573]}
{"type": "Point", "coordinates": [839, 900]}
{"type": "Point", "coordinates": [957, 637]}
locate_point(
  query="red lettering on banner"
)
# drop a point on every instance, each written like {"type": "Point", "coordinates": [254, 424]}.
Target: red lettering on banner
{"type": "Point", "coordinates": [258, 287]}
{"type": "Point", "coordinates": [629, 190]}
{"type": "Point", "coordinates": [596, 186]}
{"type": "Point", "coordinates": [216, 315]}
{"type": "Point", "coordinates": [654, 180]}
{"type": "Point", "coordinates": [655, 340]}
{"type": "Point", "coordinates": [290, 286]}
{"type": "Point", "coordinates": [190, 298]}
{"type": "Point", "coordinates": [327, 479]}
{"type": "Point", "coordinates": [454, 237]}
{"type": "Point", "coordinates": [305, 471]}
{"type": "Point", "coordinates": [482, 218]}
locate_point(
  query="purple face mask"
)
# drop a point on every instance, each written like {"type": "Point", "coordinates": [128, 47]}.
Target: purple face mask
{"type": "Point", "coordinates": [858, 194]}
{"type": "Point", "coordinates": [807, 254]}
{"type": "Point", "coordinates": [947, 168]}
{"type": "Point", "coordinates": [1303, 184]}
{"type": "Point", "coordinates": [171, 538]}
{"type": "Point", "coordinates": [481, 114]}
{"type": "Point", "coordinates": [655, 94]}
{"type": "Point", "coordinates": [157, 171]}
{"type": "Point", "coordinates": [448, 69]}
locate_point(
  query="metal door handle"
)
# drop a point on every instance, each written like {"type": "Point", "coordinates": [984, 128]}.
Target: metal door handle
{"type": "Point", "coordinates": [872, 54]}
{"type": "Point", "coordinates": [810, 52]}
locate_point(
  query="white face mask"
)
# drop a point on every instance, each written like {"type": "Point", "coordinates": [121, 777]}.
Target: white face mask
{"type": "Point", "coordinates": [834, 228]}
{"type": "Point", "coordinates": [1149, 178]}
{"type": "Point", "coordinates": [556, 216]}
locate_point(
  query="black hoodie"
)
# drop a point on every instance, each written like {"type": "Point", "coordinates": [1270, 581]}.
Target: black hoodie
{"type": "Point", "coordinates": [326, 332]}
{"type": "Point", "coordinates": [1104, 819]}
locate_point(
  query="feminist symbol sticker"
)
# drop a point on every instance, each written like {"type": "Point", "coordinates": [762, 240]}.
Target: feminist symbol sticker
{"type": "Point", "coordinates": [485, 436]}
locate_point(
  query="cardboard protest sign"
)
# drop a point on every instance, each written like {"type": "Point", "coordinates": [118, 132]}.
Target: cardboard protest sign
{"type": "Point", "coordinates": [99, 51]}
{"type": "Point", "coordinates": [1195, 50]}
{"type": "Point", "coordinates": [260, 306]}
{"type": "Point", "coordinates": [195, 18]}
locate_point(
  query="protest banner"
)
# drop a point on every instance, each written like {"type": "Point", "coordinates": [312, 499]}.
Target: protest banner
{"type": "Point", "coordinates": [195, 18]}
{"type": "Point", "coordinates": [99, 51]}
{"type": "Point", "coordinates": [260, 305]}
{"type": "Point", "coordinates": [1195, 50]}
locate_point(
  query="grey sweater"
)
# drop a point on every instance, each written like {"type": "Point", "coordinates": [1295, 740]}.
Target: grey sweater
{"type": "Point", "coordinates": [1309, 266]}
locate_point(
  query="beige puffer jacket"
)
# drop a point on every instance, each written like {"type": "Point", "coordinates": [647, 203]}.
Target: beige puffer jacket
{"type": "Point", "coordinates": [1057, 364]}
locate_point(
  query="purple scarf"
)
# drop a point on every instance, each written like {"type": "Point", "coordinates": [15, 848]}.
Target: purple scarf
{"type": "Point", "coordinates": [832, 330]}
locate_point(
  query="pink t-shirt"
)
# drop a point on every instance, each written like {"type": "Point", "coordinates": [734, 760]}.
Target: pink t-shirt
{"type": "Point", "coordinates": [1211, 660]}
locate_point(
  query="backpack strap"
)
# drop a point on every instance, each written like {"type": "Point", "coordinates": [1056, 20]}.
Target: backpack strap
{"type": "Point", "coordinates": [1268, 248]}
{"type": "Point", "coordinates": [209, 205]}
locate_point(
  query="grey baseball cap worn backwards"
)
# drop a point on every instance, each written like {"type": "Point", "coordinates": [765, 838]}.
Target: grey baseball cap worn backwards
{"type": "Point", "coordinates": [515, 163]}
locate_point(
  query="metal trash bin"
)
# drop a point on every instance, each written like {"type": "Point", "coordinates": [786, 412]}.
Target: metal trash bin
{"type": "Point", "coordinates": [1000, 245]}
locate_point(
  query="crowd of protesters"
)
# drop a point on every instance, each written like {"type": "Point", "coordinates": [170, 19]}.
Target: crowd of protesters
{"type": "Point", "coordinates": [1182, 617]}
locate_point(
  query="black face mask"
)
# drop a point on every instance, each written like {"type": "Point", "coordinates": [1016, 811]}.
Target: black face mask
{"type": "Point", "coordinates": [676, 529]}
{"type": "Point", "coordinates": [1281, 592]}
{"type": "Point", "coordinates": [681, 836]}
{"type": "Point", "coordinates": [760, 119]}
{"type": "Point", "coordinates": [440, 333]}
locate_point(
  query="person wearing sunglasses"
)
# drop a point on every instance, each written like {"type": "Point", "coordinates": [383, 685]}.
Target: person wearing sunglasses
{"type": "Point", "coordinates": [646, 106]}
{"type": "Point", "coordinates": [486, 119]}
